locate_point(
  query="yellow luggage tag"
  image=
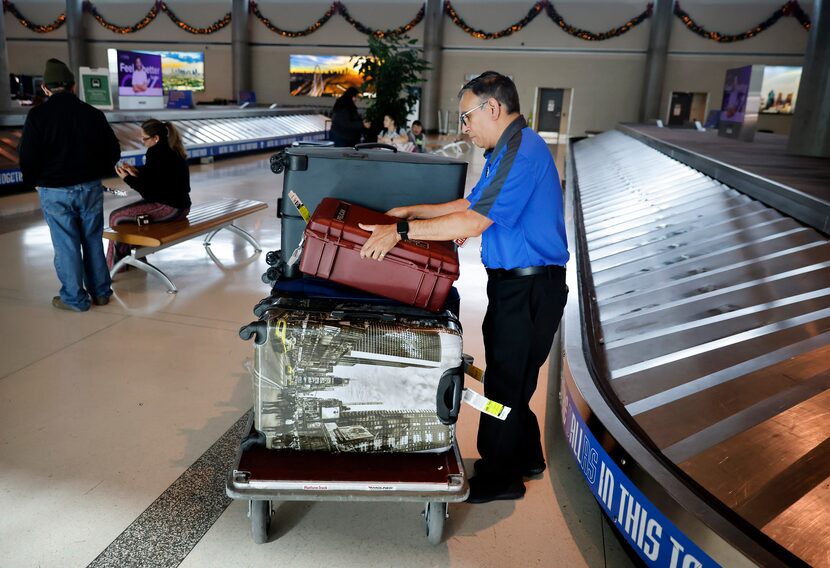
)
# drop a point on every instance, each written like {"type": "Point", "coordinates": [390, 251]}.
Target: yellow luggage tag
{"type": "Point", "coordinates": [485, 405]}
{"type": "Point", "coordinates": [295, 199]}
{"type": "Point", "coordinates": [475, 373]}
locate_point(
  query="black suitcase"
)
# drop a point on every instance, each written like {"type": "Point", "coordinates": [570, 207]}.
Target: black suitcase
{"type": "Point", "coordinates": [376, 176]}
{"type": "Point", "coordinates": [345, 377]}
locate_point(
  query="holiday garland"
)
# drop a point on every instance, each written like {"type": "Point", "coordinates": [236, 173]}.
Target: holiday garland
{"type": "Point", "coordinates": [790, 8]}
{"type": "Point", "coordinates": [509, 30]}
{"type": "Point", "coordinates": [213, 28]}
{"type": "Point", "coordinates": [44, 29]}
{"type": "Point", "coordinates": [336, 8]}
{"type": "Point", "coordinates": [591, 36]}
{"type": "Point", "coordinates": [145, 21]}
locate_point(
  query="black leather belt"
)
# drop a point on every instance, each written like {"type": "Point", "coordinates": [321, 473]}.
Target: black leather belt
{"type": "Point", "coordinates": [502, 274]}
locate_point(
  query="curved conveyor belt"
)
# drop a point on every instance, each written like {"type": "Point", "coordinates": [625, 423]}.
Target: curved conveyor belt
{"type": "Point", "coordinates": [698, 355]}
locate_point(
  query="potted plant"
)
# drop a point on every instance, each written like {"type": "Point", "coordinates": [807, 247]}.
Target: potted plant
{"type": "Point", "coordinates": [395, 64]}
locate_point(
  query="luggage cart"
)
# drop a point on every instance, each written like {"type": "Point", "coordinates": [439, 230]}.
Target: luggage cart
{"type": "Point", "coordinates": [262, 476]}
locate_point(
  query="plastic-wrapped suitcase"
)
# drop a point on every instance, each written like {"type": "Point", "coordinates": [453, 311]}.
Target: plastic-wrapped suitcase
{"type": "Point", "coordinates": [379, 179]}
{"type": "Point", "coordinates": [418, 273]}
{"type": "Point", "coordinates": [343, 377]}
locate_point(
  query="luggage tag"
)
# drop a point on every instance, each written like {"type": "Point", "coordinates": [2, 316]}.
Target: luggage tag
{"type": "Point", "coordinates": [302, 209]}
{"type": "Point", "coordinates": [485, 405]}
{"type": "Point", "coordinates": [459, 242]}
{"type": "Point", "coordinates": [298, 252]}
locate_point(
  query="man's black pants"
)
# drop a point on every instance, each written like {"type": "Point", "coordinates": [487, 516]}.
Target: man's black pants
{"type": "Point", "coordinates": [522, 317]}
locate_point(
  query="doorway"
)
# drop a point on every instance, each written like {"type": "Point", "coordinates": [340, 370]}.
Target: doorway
{"type": "Point", "coordinates": [552, 119]}
{"type": "Point", "coordinates": [685, 108]}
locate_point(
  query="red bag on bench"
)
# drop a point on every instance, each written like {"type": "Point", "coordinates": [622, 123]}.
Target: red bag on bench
{"type": "Point", "coordinates": [418, 273]}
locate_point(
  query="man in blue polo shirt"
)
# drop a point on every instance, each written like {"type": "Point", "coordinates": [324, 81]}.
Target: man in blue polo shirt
{"type": "Point", "coordinates": [516, 207]}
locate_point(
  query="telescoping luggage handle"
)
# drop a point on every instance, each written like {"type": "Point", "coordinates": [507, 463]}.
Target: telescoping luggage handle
{"type": "Point", "coordinates": [371, 145]}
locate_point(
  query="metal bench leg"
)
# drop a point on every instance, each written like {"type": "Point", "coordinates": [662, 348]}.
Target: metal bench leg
{"type": "Point", "coordinates": [209, 237]}
{"type": "Point", "coordinates": [245, 235]}
{"type": "Point", "coordinates": [142, 264]}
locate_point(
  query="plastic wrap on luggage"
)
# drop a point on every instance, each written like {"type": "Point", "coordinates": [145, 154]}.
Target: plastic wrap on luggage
{"type": "Point", "coordinates": [341, 377]}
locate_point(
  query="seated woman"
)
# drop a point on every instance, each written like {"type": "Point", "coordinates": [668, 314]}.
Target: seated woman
{"type": "Point", "coordinates": [395, 136]}
{"type": "Point", "coordinates": [163, 183]}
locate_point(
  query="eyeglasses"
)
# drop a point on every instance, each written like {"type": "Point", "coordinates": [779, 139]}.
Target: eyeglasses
{"type": "Point", "coordinates": [463, 116]}
{"type": "Point", "coordinates": [145, 138]}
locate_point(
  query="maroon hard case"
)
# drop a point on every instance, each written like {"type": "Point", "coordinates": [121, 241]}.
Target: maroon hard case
{"type": "Point", "coordinates": [418, 273]}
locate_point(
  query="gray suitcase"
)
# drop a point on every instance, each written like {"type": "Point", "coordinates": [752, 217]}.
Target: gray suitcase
{"type": "Point", "coordinates": [376, 176]}
{"type": "Point", "coordinates": [343, 377]}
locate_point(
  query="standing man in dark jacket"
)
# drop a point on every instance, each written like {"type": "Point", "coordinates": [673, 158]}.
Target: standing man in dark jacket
{"type": "Point", "coordinates": [66, 148]}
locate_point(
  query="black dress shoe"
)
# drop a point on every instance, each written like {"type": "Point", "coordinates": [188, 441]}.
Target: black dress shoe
{"type": "Point", "coordinates": [528, 471]}
{"type": "Point", "coordinates": [485, 489]}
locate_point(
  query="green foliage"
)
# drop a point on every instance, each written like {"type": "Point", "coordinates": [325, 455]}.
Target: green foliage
{"type": "Point", "coordinates": [395, 65]}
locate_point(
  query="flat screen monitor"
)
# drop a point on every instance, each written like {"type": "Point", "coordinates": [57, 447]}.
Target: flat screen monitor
{"type": "Point", "coordinates": [139, 74]}
{"type": "Point", "coordinates": [183, 70]}
{"type": "Point", "coordinates": [179, 70]}
{"type": "Point", "coordinates": [779, 89]}
{"type": "Point", "coordinates": [324, 75]}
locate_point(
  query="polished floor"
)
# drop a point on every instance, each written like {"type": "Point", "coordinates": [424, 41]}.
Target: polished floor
{"type": "Point", "coordinates": [116, 425]}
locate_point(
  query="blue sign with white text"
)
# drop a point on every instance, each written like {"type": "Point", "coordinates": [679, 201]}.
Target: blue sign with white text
{"type": "Point", "coordinates": [653, 536]}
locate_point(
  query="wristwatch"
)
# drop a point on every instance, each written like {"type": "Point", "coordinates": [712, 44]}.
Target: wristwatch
{"type": "Point", "coordinates": [403, 229]}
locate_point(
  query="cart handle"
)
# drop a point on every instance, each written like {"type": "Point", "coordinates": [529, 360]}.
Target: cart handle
{"type": "Point", "coordinates": [448, 400]}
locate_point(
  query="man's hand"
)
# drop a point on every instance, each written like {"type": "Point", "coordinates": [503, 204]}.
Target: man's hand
{"type": "Point", "coordinates": [400, 213]}
{"type": "Point", "coordinates": [383, 239]}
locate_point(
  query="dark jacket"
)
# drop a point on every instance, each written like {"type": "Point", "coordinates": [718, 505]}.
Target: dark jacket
{"type": "Point", "coordinates": [164, 177]}
{"type": "Point", "coordinates": [346, 125]}
{"type": "Point", "coordinates": [65, 142]}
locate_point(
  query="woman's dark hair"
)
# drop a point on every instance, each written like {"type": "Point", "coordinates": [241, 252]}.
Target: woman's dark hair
{"type": "Point", "coordinates": [346, 99]}
{"type": "Point", "coordinates": [492, 84]}
{"type": "Point", "coordinates": [167, 133]}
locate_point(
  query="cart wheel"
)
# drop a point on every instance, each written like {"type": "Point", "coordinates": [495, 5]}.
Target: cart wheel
{"type": "Point", "coordinates": [434, 515]}
{"type": "Point", "coordinates": [260, 520]}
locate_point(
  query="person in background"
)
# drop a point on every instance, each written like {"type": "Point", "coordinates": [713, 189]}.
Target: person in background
{"type": "Point", "coordinates": [139, 78]}
{"type": "Point", "coordinates": [346, 124]}
{"type": "Point", "coordinates": [394, 135]}
{"type": "Point", "coordinates": [67, 146]}
{"type": "Point", "coordinates": [516, 207]}
{"type": "Point", "coordinates": [163, 183]}
{"type": "Point", "coordinates": [417, 137]}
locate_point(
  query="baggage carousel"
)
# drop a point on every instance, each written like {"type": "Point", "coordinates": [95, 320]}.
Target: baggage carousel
{"type": "Point", "coordinates": [205, 133]}
{"type": "Point", "coordinates": [696, 374]}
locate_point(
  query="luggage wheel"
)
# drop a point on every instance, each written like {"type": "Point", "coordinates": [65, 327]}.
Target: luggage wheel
{"type": "Point", "coordinates": [261, 514]}
{"type": "Point", "coordinates": [435, 513]}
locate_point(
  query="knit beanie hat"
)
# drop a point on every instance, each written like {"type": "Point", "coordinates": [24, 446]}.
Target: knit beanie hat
{"type": "Point", "coordinates": [57, 73]}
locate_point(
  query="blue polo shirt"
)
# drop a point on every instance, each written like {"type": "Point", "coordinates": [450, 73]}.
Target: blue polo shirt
{"type": "Point", "coordinates": [519, 191]}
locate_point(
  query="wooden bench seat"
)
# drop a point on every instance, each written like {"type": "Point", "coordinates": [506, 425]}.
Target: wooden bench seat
{"type": "Point", "coordinates": [205, 218]}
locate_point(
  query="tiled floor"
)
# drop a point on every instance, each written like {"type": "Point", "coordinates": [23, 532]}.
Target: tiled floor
{"type": "Point", "coordinates": [101, 412]}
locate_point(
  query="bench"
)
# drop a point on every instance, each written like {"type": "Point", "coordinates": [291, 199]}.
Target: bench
{"type": "Point", "coordinates": [205, 218]}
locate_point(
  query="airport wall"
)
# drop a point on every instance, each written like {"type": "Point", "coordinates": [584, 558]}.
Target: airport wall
{"type": "Point", "coordinates": [606, 76]}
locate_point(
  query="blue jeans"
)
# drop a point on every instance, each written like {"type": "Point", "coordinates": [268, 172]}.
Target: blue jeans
{"type": "Point", "coordinates": [75, 215]}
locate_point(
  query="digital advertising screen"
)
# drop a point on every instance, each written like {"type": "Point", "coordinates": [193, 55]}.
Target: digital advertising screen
{"type": "Point", "coordinates": [735, 93]}
{"type": "Point", "coordinates": [779, 89]}
{"type": "Point", "coordinates": [182, 70]}
{"type": "Point", "coordinates": [324, 75]}
{"type": "Point", "coordinates": [139, 74]}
